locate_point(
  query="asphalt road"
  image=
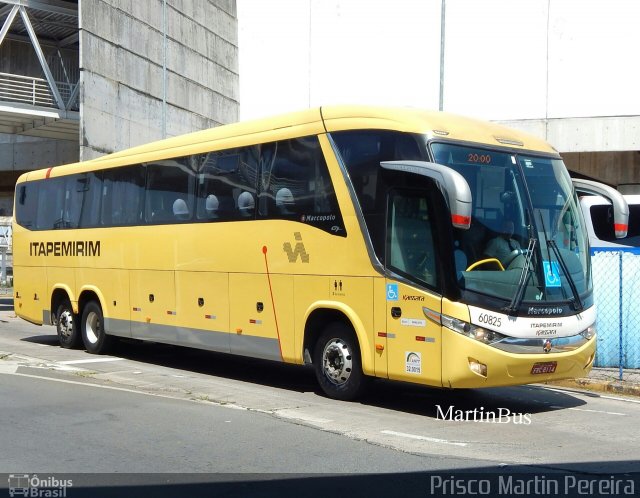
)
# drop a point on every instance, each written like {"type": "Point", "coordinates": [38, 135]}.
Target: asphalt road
{"type": "Point", "coordinates": [152, 408]}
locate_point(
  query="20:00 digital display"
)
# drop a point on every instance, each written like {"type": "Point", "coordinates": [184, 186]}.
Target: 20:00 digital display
{"type": "Point", "coordinates": [478, 158]}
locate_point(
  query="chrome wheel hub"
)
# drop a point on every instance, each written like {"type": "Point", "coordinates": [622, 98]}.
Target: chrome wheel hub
{"type": "Point", "coordinates": [65, 322]}
{"type": "Point", "coordinates": [337, 361]}
{"type": "Point", "coordinates": [92, 327]}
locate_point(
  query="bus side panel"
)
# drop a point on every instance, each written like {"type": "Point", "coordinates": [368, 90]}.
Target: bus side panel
{"type": "Point", "coordinates": [282, 286]}
{"type": "Point", "coordinates": [253, 325]}
{"type": "Point", "coordinates": [153, 306]}
{"type": "Point", "coordinates": [202, 302]}
{"type": "Point", "coordinates": [112, 286]}
{"type": "Point", "coordinates": [352, 296]}
{"type": "Point", "coordinates": [31, 299]}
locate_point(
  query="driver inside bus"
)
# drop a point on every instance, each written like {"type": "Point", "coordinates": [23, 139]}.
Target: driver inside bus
{"type": "Point", "coordinates": [504, 247]}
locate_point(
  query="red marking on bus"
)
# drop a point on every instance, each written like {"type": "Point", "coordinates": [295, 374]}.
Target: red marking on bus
{"type": "Point", "coordinates": [620, 227]}
{"type": "Point", "coordinates": [419, 338]}
{"type": "Point", "coordinates": [382, 334]}
{"type": "Point", "coordinates": [275, 316]}
{"type": "Point", "coordinates": [48, 172]}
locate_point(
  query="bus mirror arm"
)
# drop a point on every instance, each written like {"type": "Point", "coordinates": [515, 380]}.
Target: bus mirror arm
{"type": "Point", "coordinates": [452, 184]}
{"type": "Point", "coordinates": [620, 206]}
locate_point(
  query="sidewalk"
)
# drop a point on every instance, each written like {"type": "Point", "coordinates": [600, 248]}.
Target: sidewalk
{"type": "Point", "coordinates": [607, 380]}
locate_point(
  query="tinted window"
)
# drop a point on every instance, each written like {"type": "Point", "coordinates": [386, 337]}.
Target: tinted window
{"type": "Point", "coordinates": [122, 196]}
{"type": "Point", "coordinates": [75, 188]}
{"type": "Point", "coordinates": [295, 184]}
{"type": "Point", "coordinates": [90, 213]}
{"type": "Point", "coordinates": [170, 190]}
{"type": "Point", "coordinates": [227, 185]}
{"type": "Point", "coordinates": [51, 196]}
{"type": "Point", "coordinates": [27, 204]}
{"type": "Point", "coordinates": [361, 153]}
{"type": "Point", "coordinates": [410, 247]}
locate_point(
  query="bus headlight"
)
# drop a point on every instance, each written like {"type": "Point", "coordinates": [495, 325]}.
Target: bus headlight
{"type": "Point", "coordinates": [480, 334]}
{"type": "Point", "coordinates": [589, 333]}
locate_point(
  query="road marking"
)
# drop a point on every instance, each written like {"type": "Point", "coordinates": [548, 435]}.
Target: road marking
{"type": "Point", "coordinates": [8, 367]}
{"type": "Point", "coordinates": [91, 360]}
{"type": "Point", "coordinates": [423, 438]}
{"type": "Point", "coordinates": [621, 399]}
{"type": "Point", "coordinates": [590, 394]}
{"type": "Point", "coordinates": [588, 410]}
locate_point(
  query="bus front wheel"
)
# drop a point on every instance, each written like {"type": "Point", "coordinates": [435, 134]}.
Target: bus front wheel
{"type": "Point", "coordinates": [337, 363]}
{"type": "Point", "coordinates": [95, 339]}
{"type": "Point", "coordinates": [67, 327]}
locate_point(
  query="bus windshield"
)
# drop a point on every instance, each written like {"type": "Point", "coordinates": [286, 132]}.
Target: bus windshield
{"type": "Point", "coordinates": [527, 234]}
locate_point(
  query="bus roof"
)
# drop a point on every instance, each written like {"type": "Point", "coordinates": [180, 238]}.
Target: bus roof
{"type": "Point", "coordinates": [311, 122]}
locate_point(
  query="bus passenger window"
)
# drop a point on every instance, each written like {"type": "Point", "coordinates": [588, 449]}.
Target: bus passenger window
{"type": "Point", "coordinates": [90, 213]}
{"type": "Point", "coordinates": [295, 181]}
{"type": "Point", "coordinates": [26, 204]}
{"type": "Point", "coordinates": [222, 179]}
{"type": "Point", "coordinates": [50, 214]}
{"type": "Point", "coordinates": [122, 196]}
{"type": "Point", "coordinates": [170, 190]}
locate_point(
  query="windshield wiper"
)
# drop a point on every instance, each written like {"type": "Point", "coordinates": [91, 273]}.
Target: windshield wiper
{"type": "Point", "coordinates": [577, 302]}
{"type": "Point", "coordinates": [525, 275]}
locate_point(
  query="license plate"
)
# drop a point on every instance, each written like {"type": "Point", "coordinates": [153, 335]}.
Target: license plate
{"type": "Point", "coordinates": [548, 367]}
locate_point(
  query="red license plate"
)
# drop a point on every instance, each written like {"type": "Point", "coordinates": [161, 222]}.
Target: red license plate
{"type": "Point", "coordinates": [548, 367]}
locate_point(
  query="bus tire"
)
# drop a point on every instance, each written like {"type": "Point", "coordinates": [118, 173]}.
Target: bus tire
{"type": "Point", "coordinates": [338, 364]}
{"type": "Point", "coordinates": [67, 327]}
{"type": "Point", "coordinates": [96, 341]}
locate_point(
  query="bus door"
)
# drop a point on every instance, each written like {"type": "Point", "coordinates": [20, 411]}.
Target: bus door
{"type": "Point", "coordinates": [413, 331]}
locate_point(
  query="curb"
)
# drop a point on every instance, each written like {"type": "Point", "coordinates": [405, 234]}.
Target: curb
{"type": "Point", "coordinates": [608, 386]}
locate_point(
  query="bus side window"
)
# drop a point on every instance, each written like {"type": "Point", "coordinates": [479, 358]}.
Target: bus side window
{"type": "Point", "coordinates": [122, 196]}
{"type": "Point", "coordinates": [75, 188]}
{"type": "Point", "coordinates": [26, 204]}
{"type": "Point", "coordinates": [50, 214]}
{"type": "Point", "coordinates": [223, 177]}
{"type": "Point", "coordinates": [295, 180]}
{"type": "Point", "coordinates": [90, 215]}
{"type": "Point", "coordinates": [170, 191]}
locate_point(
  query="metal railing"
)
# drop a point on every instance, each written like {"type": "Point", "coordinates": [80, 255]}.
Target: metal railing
{"type": "Point", "coordinates": [35, 91]}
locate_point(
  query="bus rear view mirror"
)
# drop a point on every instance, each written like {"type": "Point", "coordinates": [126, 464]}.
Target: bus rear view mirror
{"type": "Point", "coordinates": [452, 184]}
{"type": "Point", "coordinates": [620, 206]}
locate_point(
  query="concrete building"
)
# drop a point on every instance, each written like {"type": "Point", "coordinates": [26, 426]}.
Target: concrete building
{"type": "Point", "coordinates": [561, 69]}
{"type": "Point", "coordinates": [83, 78]}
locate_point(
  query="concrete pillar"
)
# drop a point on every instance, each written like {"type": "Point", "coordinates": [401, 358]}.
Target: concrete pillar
{"type": "Point", "coordinates": [123, 53]}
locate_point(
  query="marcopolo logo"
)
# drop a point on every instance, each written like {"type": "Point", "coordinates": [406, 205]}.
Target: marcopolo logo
{"type": "Point", "coordinates": [71, 248]}
{"type": "Point", "coordinates": [40, 487]}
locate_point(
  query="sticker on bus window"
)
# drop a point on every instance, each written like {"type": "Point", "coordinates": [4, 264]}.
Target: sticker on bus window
{"type": "Point", "coordinates": [413, 362]}
{"type": "Point", "coordinates": [392, 292]}
{"type": "Point", "coordinates": [551, 274]}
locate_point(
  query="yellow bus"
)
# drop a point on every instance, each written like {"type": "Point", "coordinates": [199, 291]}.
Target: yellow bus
{"type": "Point", "coordinates": [369, 242]}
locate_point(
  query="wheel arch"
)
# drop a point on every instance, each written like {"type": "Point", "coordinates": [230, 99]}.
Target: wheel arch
{"type": "Point", "coordinates": [90, 293]}
{"type": "Point", "coordinates": [322, 313]}
{"type": "Point", "coordinates": [59, 294]}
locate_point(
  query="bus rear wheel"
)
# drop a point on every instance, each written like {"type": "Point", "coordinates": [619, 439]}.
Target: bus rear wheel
{"type": "Point", "coordinates": [67, 327]}
{"type": "Point", "coordinates": [95, 339]}
{"type": "Point", "coordinates": [337, 363]}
